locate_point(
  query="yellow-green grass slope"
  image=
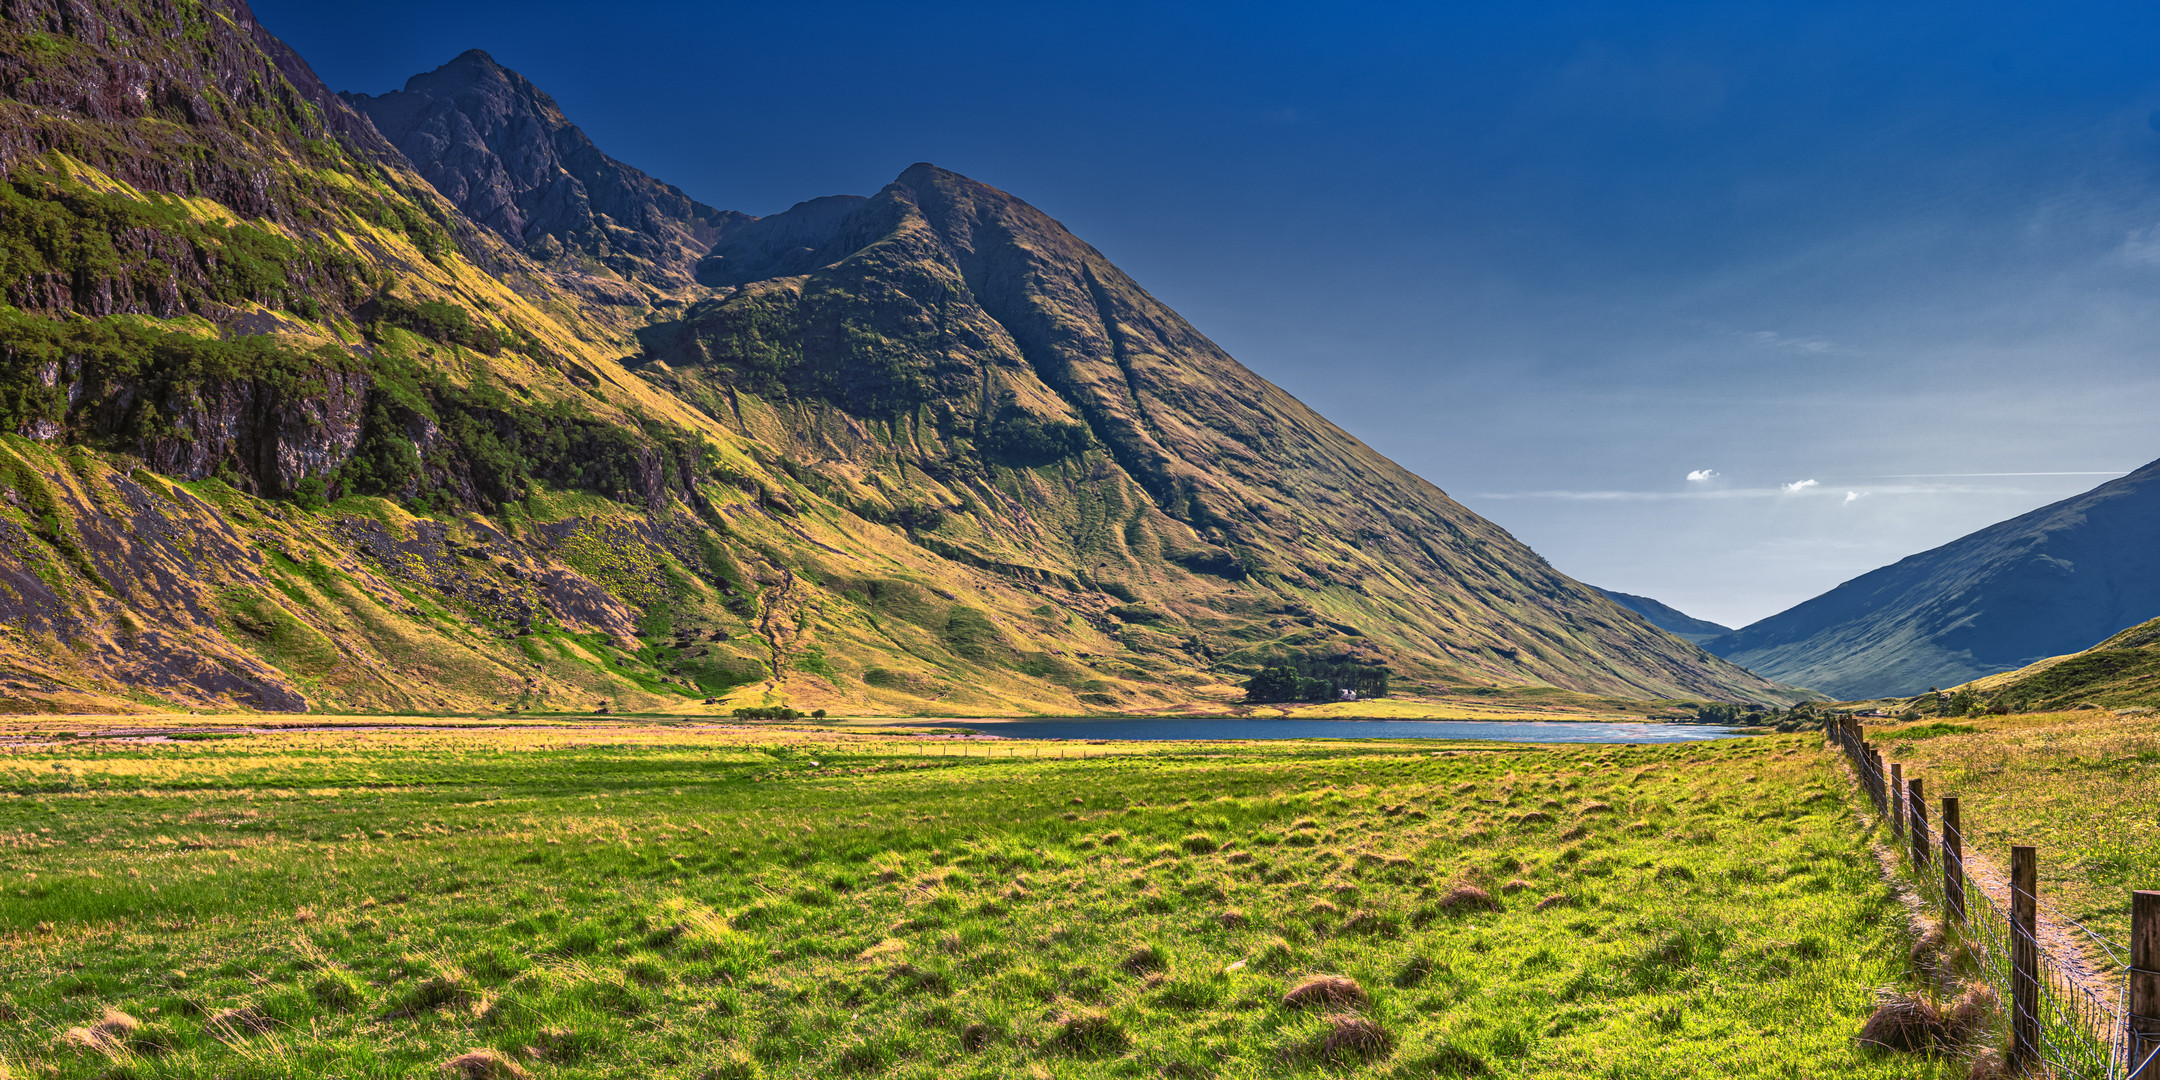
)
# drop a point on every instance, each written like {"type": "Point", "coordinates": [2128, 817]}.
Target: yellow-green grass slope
{"type": "Point", "coordinates": [2123, 671]}
{"type": "Point", "coordinates": [658, 902]}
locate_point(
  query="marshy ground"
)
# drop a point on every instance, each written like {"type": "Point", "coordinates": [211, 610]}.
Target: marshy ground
{"type": "Point", "coordinates": [641, 900]}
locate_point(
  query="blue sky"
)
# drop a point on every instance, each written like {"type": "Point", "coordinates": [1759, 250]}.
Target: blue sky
{"type": "Point", "coordinates": [1552, 257]}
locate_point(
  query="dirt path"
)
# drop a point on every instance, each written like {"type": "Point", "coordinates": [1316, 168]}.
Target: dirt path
{"type": "Point", "coordinates": [2074, 954]}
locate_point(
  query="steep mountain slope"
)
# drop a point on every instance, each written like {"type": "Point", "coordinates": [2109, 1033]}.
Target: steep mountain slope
{"type": "Point", "coordinates": [2038, 585]}
{"type": "Point", "coordinates": [948, 355]}
{"type": "Point", "coordinates": [503, 153]}
{"type": "Point", "coordinates": [1670, 619]}
{"type": "Point", "coordinates": [282, 428]}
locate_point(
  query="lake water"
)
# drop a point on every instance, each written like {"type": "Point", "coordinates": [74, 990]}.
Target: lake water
{"type": "Point", "coordinates": [1536, 731]}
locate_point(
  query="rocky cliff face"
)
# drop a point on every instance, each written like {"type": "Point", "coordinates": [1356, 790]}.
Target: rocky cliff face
{"type": "Point", "coordinates": [2039, 585]}
{"type": "Point", "coordinates": [504, 154]}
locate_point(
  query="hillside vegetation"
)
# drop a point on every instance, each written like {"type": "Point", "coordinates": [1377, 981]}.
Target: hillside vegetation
{"type": "Point", "coordinates": [579, 901]}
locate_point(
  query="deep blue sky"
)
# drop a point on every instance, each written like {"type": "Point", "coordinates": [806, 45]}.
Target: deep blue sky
{"type": "Point", "coordinates": [1552, 257]}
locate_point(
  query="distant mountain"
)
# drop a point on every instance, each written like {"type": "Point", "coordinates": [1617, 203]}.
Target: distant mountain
{"type": "Point", "coordinates": [1667, 618]}
{"type": "Point", "coordinates": [2036, 586]}
{"type": "Point", "coordinates": [505, 155]}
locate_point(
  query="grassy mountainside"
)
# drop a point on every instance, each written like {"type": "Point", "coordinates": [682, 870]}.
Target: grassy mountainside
{"type": "Point", "coordinates": [282, 427]}
{"type": "Point", "coordinates": [2042, 584]}
{"type": "Point", "coordinates": [2123, 671]}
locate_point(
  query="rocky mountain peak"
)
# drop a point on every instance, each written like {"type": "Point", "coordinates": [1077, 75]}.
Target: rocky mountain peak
{"type": "Point", "coordinates": [502, 151]}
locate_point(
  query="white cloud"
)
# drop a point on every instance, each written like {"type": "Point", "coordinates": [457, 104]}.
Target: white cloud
{"type": "Point", "coordinates": [1771, 339]}
{"type": "Point", "coordinates": [2141, 247]}
{"type": "Point", "coordinates": [1851, 497]}
{"type": "Point", "coordinates": [1804, 487]}
{"type": "Point", "coordinates": [1702, 476]}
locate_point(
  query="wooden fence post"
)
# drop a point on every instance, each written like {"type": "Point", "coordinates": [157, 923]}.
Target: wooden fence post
{"type": "Point", "coordinates": [1916, 806]}
{"type": "Point", "coordinates": [1896, 810]}
{"type": "Point", "coordinates": [1953, 851]}
{"type": "Point", "coordinates": [1882, 798]}
{"type": "Point", "coordinates": [2024, 957]}
{"type": "Point", "coordinates": [2144, 985]}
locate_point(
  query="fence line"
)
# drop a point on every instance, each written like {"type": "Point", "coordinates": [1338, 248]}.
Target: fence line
{"type": "Point", "coordinates": [2058, 1023]}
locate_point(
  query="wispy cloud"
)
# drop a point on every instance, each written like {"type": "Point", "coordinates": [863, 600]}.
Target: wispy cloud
{"type": "Point", "coordinates": [1702, 476]}
{"type": "Point", "coordinates": [1851, 497]}
{"type": "Point", "coordinates": [2141, 247]}
{"type": "Point", "coordinates": [1771, 339]}
{"type": "Point", "coordinates": [1971, 475]}
{"type": "Point", "coordinates": [1801, 489]}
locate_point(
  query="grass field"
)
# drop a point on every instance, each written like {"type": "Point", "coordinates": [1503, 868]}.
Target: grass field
{"type": "Point", "coordinates": [651, 901]}
{"type": "Point", "coordinates": [2081, 787]}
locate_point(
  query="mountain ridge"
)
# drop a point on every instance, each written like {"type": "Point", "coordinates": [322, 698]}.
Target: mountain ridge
{"type": "Point", "coordinates": [501, 151]}
{"type": "Point", "coordinates": [1668, 618]}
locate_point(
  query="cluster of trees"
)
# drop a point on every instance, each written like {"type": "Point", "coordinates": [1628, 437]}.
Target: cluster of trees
{"type": "Point", "coordinates": [776, 712]}
{"type": "Point", "coordinates": [1301, 678]}
{"type": "Point", "coordinates": [1749, 714]}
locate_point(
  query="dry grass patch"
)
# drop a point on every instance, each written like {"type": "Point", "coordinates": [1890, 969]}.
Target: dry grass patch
{"type": "Point", "coordinates": [484, 1064]}
{"type": "Point", "coordinates": [1464, 899]}
{"type": "Point", "coordinates": [1329, 991]}
{"type": "Point", "coordinates": [239, 1023]}
{"type": "Point", "coordinates": [1910, 1023]}
{"type": "Point", "coordinates": [1350, 1037]}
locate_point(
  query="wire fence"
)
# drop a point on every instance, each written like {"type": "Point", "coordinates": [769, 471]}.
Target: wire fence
{"type": "Point", "coordinates": [2061, 1025]}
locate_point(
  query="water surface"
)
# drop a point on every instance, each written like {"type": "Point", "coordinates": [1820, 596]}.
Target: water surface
{"type": "Point", "coordinates": [1537, 731]}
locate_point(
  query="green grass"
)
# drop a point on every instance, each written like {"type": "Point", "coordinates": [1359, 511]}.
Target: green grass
{"type": "Point", "coordinates": [2078, 786]}
{"type": "Point", "coordinates": [650, 901]}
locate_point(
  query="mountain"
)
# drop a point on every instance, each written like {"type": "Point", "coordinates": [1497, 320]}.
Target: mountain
{"type": "Point", "coordinates": [503, 153]}
{"type": "Point", "coordinates": [1667, 618]}
{"type": "Point", "coordinates": [288, 429]}
{"type": "Point", "coordinates": [945, 343]}
{"type": "Point", "coordinates": [2039, 585]}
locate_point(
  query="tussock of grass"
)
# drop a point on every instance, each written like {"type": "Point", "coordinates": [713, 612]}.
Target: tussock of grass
{"type": "Point", "coordinates": [239, 1022]}
{"type": "Point", "coordinates": [1910, 1022]}
{"type": "Point", "coordinates": [1333, 991]}
{"type": "Point", "coordinates": [484, 1064]}
{"type": "Point", "coordinates": [1350, 1037]}
{"type": "Point", "coordinates": [1091, 1033]}
{"type": "Point", "coordinates": [1464, 899]}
